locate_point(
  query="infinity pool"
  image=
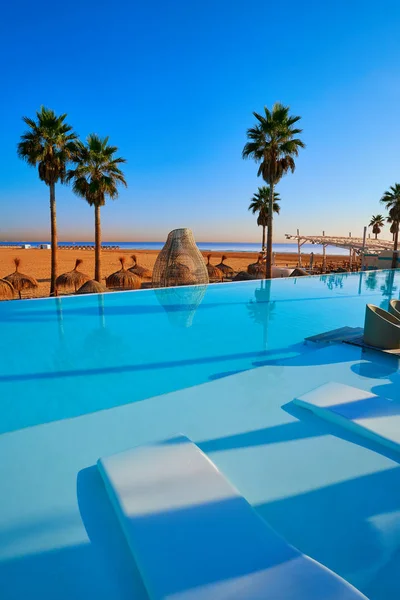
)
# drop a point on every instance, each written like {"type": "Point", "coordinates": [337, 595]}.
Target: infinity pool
{"type": "Point", "coordinates": [69, 356]}
{"type": "Point", "coordinates": [220, 364]}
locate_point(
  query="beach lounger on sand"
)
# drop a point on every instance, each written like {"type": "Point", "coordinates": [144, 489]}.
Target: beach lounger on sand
{"type": "Point", "coordinates": [364, 413]}
{"type": "Point", "coordinates": [194, 537]}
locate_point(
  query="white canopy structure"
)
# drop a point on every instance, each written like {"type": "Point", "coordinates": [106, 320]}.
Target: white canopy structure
{"type": "Point", "coordinates": [355, 245]}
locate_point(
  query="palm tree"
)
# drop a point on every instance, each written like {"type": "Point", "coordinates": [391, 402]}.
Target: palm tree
{"type": "Point", "coordinates": [260, 204]}
{"type": "Point", "coordinates": [376, 222]}
{"type": "Point", "coordinates": [394, 223]}
{"type": "Point", "coordinates": [96, 176]}
{"type": "Point", "coordinates": [48, 144]}
{"type": "Point", "coordinates": [391, 199]}
{"type": "Point", "coordinates": [274, 145]}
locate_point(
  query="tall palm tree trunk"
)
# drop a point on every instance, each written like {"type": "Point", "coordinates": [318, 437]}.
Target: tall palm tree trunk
{"type": "Point", "coordinates": [53, 228]}
{"type": "Point", "coordinates": [97, 244]}
{"type": "Point", "coordinates": [268, 266]}
{"type": "Point", "coordinates": [263, 239]}
{"type": "Point", "coordinates": [396, 242]}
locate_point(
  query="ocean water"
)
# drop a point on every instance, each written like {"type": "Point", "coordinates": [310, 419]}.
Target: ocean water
{"type": "Point", "coordinates": [212, 246]}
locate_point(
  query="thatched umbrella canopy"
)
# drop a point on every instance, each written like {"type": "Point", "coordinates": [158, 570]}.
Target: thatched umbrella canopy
{"type": "Point", "coordinates": [6, 290]}
{"type": "Point", "coordinates": [257, 268]}
{"type": "Point", "coordinates": [72, 279]}
{"type": "Point", "coordinates": [243, 276]}
{"type": "Point", "coordinates": [226, 269]}
{"type": "Point", "coordinates": [19, 281]}
{"type": "Point", "coordinates": [140, 271]}
{"type": "Point", "coordinates": [214, 274]}
{"type": "Point", "coordinates": [92, 287]}
{"type": "Point", "coordinates": [123, 279]}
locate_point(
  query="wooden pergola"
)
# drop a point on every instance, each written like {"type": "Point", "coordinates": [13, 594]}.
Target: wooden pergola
{"type": "Point", "coordinates": [356, 245]}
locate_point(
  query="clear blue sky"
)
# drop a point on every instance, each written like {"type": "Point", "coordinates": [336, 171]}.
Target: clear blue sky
{"type": "Point", "coordinates": [174, 83]}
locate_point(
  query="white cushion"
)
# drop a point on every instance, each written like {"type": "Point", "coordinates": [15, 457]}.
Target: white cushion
{"type": "Point", "coordinates": [368, 415]}
{"type": "Point", "coordinates": [194, 537]}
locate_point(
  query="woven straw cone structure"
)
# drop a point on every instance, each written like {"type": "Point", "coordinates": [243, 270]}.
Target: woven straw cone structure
{"type": "Point", "coordinates": [19, 281]}
{"type": "Point", "coordinates": [180, 261]}
{"type": "Point", "coordinates": [6, 290]}
{"type": "Point", "coordinates": [123, 279]}
{"type": "Point", "coordinates": [226, 269]}
{"type": "Point", "coordinates": [140, 271]}
{"type": "Point", "coordinates": [214, 274]}
{"type": "Point", "coordinates": [181, 304]}
{"type": "Point", "coordinates": [257, 268]}
{"type": "Point", "coordinates": [72, 279]}
{"type": "Point", "coordinates": [92, 287]}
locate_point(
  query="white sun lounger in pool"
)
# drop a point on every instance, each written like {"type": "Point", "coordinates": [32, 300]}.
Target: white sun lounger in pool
{"type": "Point", "coordinates": [194, 537]}
{"type": "Point", "coordinates": [364, 413]}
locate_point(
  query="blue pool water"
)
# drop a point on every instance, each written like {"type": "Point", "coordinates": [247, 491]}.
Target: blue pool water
{"type": "Point", "coordinates": [69, 356]}
{"type": "Point", "coordinates": [333, 495]}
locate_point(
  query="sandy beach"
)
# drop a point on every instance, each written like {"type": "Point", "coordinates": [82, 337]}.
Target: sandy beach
{"type": "Point", "coordinates": [36, 262]}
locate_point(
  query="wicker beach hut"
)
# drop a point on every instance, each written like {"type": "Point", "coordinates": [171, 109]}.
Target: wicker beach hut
{"type": "Point", "coordinates": [72, 279]}
{"type": "Point", "coordinates": [214, 274]}
{"type": "Point", "coordinates": [19, 281]}
{"type": "Point", "coordinates": [258, 268]}
{"type": "Point", "coordinates": [226, 269]}
{"type": "Point", "coordinates": [92, 287]}
{"type": "Point", "coordinates": [6, 290]}
{"type": "Point", "coordinates": [123, 279]}
{"type": "Point", "coordinates": [180, 261]}
{"type": "Point", "coordinates": [139, 270]}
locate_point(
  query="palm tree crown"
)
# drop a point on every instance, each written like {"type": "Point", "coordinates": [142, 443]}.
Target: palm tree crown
{"type": "Point", "coordinates": [260, 204]}
{"type": "Point", "coordinates": [273, 143]}
{"type": "Point", "coordinates": [48, 144]}
{"type": "Point", "coordinates": [376, 222]}
{"type": "Point", "coordinates": [97, 174]}
{"type": "Point", "coordinates": [391, 198]}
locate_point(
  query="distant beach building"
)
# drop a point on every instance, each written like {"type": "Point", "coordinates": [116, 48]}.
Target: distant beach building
{"type": "Point", "coordinates": [45, 246]}
{"type": "Point", "coordinates": [26, 246]}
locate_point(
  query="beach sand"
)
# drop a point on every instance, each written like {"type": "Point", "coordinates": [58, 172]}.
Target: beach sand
{"type": "Point", "coordinates": [36, 262]}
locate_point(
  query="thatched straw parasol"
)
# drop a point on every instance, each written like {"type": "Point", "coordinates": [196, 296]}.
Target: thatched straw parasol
{"type": "Point", "coordinates": [19, 281]}
{"type": "Point", "coordinates": [140, 271]}
{"type": "Point", "coordinates": [226, 269]}
{"type": "Point", "coordinates": [6, 290]}
{"type": "Point", "coordinates": [243, 276]}
{"type": "Point", "coordinates": [257, 268]}
{"type": "Point", "coordinates": [214, 274]}
{"type": "Point", "coordinates": [123, 279]}
{"type": "Point", "coordinates": [72, 279]}
{"type": "Point", "coordinates": [92, 287]}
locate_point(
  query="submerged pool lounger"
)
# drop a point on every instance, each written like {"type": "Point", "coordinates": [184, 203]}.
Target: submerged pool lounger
{"type": "Point", "coordinates": [194, 537]}
{"type": "Point", "coordinates": [366, 414]}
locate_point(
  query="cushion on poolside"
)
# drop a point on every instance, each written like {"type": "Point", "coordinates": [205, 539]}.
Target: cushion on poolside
{"type": "Point", "coordinates": [364, 413]}
{"type": "Point", "coordinates": [194, 537]}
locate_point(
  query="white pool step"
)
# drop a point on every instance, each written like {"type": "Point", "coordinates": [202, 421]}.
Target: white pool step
{"type": "Point", "coordinates": [366, 414]}
{"type": "Point", "coordinates": [194, 537]}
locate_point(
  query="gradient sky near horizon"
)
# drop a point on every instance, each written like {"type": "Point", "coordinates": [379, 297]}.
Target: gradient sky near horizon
{"type": "Point", "coordinates": [174, 85]}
